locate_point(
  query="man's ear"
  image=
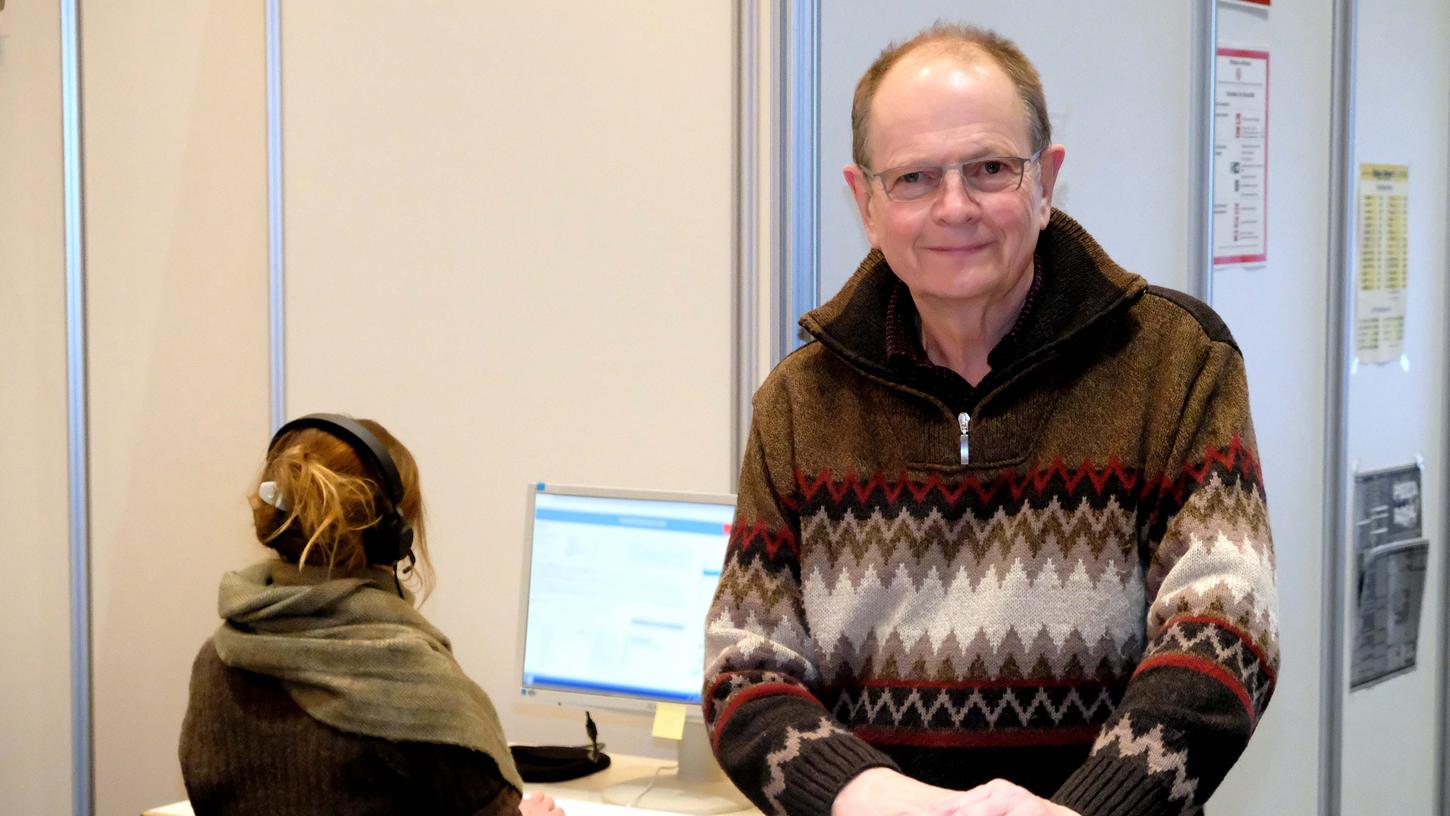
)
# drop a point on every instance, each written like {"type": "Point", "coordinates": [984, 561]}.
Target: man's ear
{"type": "Point", "coordinates": [1049, 163]}
{"type": "Point", "coordinates": [861, 189]}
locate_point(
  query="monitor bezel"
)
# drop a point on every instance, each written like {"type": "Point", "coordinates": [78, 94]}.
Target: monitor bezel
{"type": "Point", "coordinates": [591, 699]}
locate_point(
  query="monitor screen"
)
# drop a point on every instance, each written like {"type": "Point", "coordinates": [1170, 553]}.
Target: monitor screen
{"type": "Point", "coordinates": [616, 588]}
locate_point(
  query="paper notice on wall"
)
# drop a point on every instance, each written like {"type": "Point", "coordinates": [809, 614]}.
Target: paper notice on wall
{"type": "Point", "coordinates": [1382, 282]}
{"type": "Point", "coordinates": [1241, 157]}
{"type": "Point", "coordinates": [1390, 561]}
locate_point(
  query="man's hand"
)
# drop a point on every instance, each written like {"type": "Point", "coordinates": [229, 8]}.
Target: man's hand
{"type": "Point", "coordinates": [884, 792]}
{"type": "Point", "coordinates": [540, 804]}
{"type": "Point", "coordinates": [1002, 798]}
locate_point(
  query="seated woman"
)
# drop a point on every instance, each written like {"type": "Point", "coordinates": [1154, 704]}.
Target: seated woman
{"type": "Point", "coordinates": [324, 690]}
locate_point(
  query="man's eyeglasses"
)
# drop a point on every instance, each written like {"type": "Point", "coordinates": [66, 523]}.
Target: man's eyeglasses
{"type": "Point", "coordinates": [994, 174]}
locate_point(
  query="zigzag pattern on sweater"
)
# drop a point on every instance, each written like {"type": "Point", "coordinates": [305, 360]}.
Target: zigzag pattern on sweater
{"type": "Point", "coordinates": [1007, 593]}
{"type": "Point", "coordinates": [1010, 486]}
{"type": "Point", "coordinates": [1153, 750]}
{"type": "Point", "coordinates": [1037, 582]}
{"type": "Point", "coordinates": [1037, 538]}
{"type": "Point", "coordinates": [751, 588]}
{"type": "Point", "coordinates": [761, 538]}
{"type": "Point", "coordinates": [968, 712]}
{"type": "Point", "coordinates": [1012, 659]}
{"type": "Point", "coordinates": [777, 760]}
{"type": "Point", "coordinates": [730, 684]}
{"type": "Point", "coordinates": [963, 506]}
{"type": "Point", "coordinates": [1077, 551]}
{"type": "Point", "coordinates": [1215, 642]}
{"type": "Point", "coordinates": [1235, 511]}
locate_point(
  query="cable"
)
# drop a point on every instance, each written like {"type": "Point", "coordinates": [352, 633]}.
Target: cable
{"type": "Point", "coordinates": [647, 788]}
{"type": "Point", "coordinates": [593, 731]}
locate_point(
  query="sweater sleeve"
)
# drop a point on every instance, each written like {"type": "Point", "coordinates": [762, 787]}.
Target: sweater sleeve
{"type": "Point", "coordinates": [1212, 653]}
{"type": "Point", "coordinates": [769, 730]}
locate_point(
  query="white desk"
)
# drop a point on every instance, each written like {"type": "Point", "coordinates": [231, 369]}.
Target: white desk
{"type": "Point", "coordinates": [578, 797]}
{"type": "Point", "coordinates": [622, 768]}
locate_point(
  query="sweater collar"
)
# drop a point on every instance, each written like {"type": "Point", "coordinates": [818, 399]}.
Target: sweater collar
{"type": "Point", "coordinates": [904, 346]}
{"type": "Point", "coordinates": [1081, 288]}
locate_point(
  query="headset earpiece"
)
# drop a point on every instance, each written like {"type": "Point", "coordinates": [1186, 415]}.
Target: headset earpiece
{"type": "Point", "coordinates": [390, 540]}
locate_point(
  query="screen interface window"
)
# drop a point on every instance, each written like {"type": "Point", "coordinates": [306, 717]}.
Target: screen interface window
{"type": "Point", "coordinates": [618, 592]}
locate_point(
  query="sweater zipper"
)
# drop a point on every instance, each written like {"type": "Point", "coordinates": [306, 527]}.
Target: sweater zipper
{"type": "Point", "coordinates": [964, 420]}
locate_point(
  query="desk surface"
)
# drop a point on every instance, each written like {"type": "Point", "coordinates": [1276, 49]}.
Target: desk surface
{"type": "Point", "coordinates": [585, 793]}
{"type": "Point", "coordinates": [578, 797]}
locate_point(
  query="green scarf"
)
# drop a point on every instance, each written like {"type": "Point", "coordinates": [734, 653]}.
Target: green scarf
{"type": "Point", "coordinates": [355, 656]}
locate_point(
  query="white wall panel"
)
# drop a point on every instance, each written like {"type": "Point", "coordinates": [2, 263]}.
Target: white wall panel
{"type": "Point", "coordinates": [1276, 311]}
{"type": "Point", "coordinates": [1394, 413]}
{"type": "Point", "coordinates": [176, 255]}
{"type": "Point", "coordinates": [35, 709]}
{"type": "Point", "coordinates": [509, 239]}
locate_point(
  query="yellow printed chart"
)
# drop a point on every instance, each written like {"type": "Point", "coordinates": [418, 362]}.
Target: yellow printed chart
{"type": "Point", "coordinates": [1383, 279]}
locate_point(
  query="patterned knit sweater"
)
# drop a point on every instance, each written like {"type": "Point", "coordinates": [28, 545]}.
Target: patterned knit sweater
{"type": "Point", "coordinates": [1086, 607]}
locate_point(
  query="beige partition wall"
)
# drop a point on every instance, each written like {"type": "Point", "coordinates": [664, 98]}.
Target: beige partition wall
{"type": "Point", "coordinates": [509, 235]}
{"type": "Point", "coordinates": [175, 176]}
{"type": "Point", "coordinates": [1394, 410]}
{"type": "Point", "coordinates": [34, 608]}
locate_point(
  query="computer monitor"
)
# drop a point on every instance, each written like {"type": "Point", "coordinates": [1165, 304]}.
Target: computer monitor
{"type": "Point", "coordinates": [616, 586]}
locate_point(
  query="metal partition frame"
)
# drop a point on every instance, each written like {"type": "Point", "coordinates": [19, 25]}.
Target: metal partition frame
{"type": "Point", "coordinates": [1336, 415]}
{"type": "Point", "coordinates": [745, 262]}
{"type": "Point", "coordinates": [798, 287]}
{"type": "Point", "coordinates": [1442, 751]}
{"type": "Point", "coordinates": [83, 766]}
{"type": "Point", "coordinates": [1200, 183]}
{"type": "Point", "coordinates": [277, 356]}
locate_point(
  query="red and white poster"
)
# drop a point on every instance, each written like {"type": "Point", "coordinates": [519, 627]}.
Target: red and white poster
{"type": "Point", "coordinates": [1241, 157]}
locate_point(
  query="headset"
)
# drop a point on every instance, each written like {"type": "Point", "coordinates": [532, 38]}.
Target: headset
{"type": "Point", "coordinates": [391, 539]}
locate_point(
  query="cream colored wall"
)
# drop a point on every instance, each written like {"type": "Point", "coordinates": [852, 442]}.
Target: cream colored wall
{"type": "Point", "coordinates": [34, 608]}
{"type": "Point", "coordinates": [175, 174]}
{"type": "Point", "coordinates": [509, 239]}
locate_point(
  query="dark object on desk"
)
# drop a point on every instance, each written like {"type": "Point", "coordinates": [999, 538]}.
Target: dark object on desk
{"type": "Point", "coordinates": [560, 763]}
{"type": "Point", "coordinates": [557, 763]}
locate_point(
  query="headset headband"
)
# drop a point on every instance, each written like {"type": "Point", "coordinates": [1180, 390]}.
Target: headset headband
{"type": "Point", "coordinates": [367, 446]}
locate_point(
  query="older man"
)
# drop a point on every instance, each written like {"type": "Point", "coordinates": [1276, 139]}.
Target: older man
{"type": "Point", "coordinates": [1004, 520]}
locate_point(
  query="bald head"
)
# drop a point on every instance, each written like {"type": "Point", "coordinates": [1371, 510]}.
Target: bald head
{"type": "Point", "coordinates": [966, 45]}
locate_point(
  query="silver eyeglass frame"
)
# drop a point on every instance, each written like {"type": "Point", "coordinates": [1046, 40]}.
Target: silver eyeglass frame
{"type": "Point", "coordinates": [959, 168]}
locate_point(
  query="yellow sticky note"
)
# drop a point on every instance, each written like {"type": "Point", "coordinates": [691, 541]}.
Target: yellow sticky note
{"type": "Point", "coordinates": [669, 721]}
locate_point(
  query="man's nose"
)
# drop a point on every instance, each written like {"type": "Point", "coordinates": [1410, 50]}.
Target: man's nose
{"type": "Point", "coordinates": [955, 202]}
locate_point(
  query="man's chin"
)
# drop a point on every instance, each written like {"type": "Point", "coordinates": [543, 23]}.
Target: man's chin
{"type": "Point", "coordinates": [959, 291]}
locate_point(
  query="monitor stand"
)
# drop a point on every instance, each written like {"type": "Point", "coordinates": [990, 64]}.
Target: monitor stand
{"type": "Point", "coordinates": [697, 785]}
